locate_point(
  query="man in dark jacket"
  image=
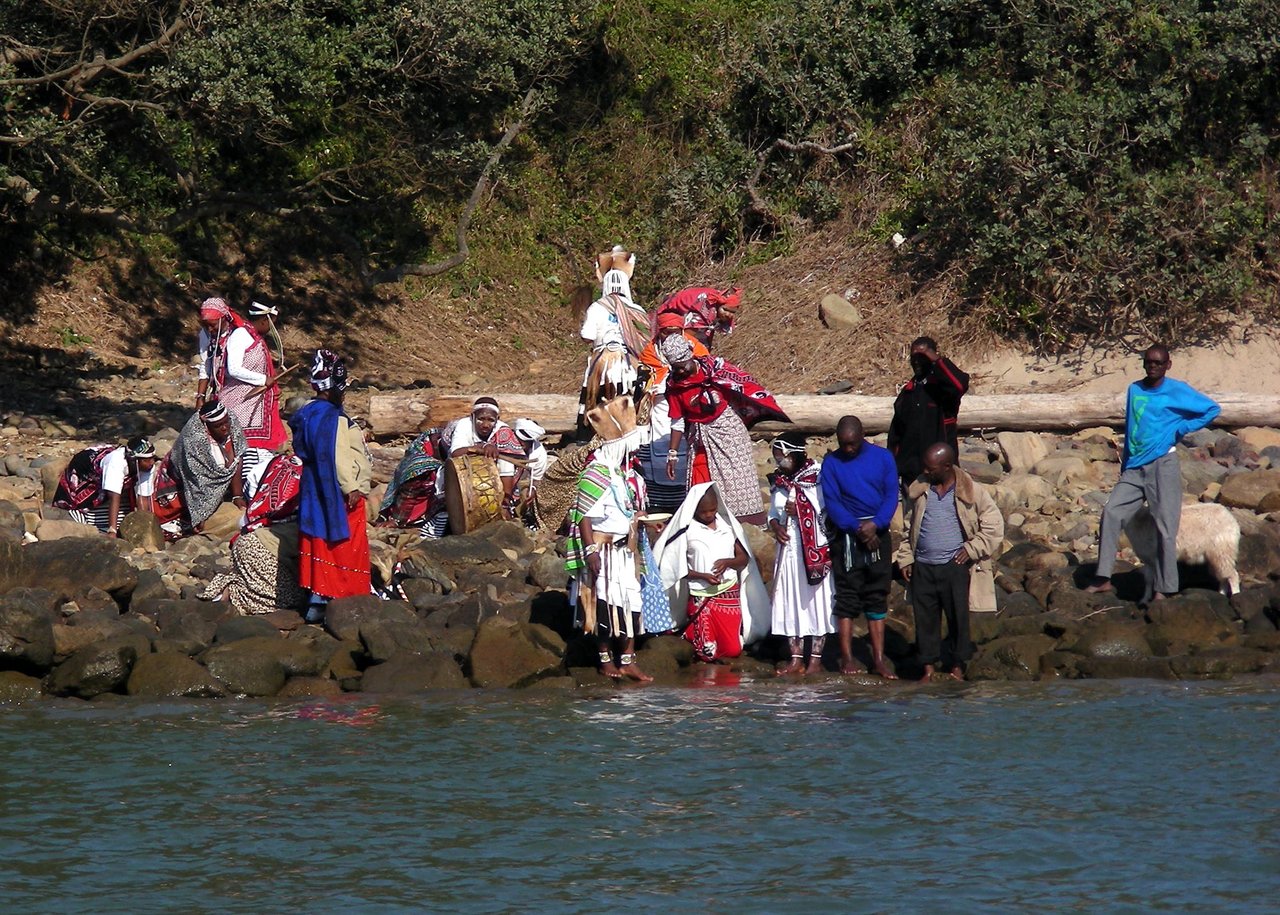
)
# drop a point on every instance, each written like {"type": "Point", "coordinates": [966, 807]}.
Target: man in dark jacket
{"type": "Point", "coordinates": [926, 409]}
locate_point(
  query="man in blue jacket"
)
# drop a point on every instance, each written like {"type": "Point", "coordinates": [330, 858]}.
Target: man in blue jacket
{"type": "Point", "coordinates": [1158, 413]}
{"type": "Point", "coordinates": [860, 493]}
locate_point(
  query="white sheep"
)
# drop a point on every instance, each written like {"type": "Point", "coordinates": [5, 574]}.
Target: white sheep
{"type": "Point", "coordinates": [1208, 533]}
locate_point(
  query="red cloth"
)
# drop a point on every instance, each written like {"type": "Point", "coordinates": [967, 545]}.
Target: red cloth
{"type": "Point", "coordinates": [703, 395]}
{"type": "Point", "coordinates": [697, 305]}
{"type": "Point", "coordinates": [715, 626]}
{"type": "Point", "coordinates": [669, 319]}
{"type": "Point", "coordinates": [338, 569]}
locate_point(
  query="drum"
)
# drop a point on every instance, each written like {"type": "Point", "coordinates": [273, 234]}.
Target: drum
{"type": "Point", "coordinates": [472, 492]}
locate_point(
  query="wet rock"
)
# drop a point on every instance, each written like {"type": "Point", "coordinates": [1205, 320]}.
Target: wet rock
{"type": "Point", "coordinates": [384, 639]}
{"type": "Point", "coordinates": [1113, 640]}
{"type": "Point", "coordinates": [246, 667]}
{"type": "Point", "coordinates": [344, 617]}
{"type": "Point", "coordinates": [1021, 451]}
{"type": "Point", "coordinates": [1010, 658]}
{"type": "Point", "coordinates": [1219, 663]}
{"type": "Point", "coordinates": [1258, 558]}
{"type": "Point", "coordinates": [1248, 489]}
{"type": "Point", "coordinates": [1263, 641]}
{"type": "Point", "coordinates": [18, 687]}
{"type": "Point", "coordinates": [1194, 620]}
{"type": "Point", "coordinates": [549, 684]}
{"type": "Point", "coordinates": [1113, 668]}
{"type": "Point", "coordinates": [309, 688]}
{"type": "Point", "coordinates": [26, 636]}
{"type": "Point", "coordinates": [172, 675]}
{"type": "Point", "coordinates": [506, 653]}
{"type": "Point", "coordinates": [1251, 601]}
{"type": "Point", "coordinates": [456, 640]}
{"type": "Point", "coordinates": [283, 620]}
{"type": "Point", "coordinates": [410, 673]}
{"type": "Point", "coordinates": [102, 667]}
{"type": "Point", "coordinates": [142, 530]}
{"type": "Point", "coordinates": [1018, 603]}
{"type": "Point", "coordinates": [235, 628]}
{"type": "Point", "coordinates": [67, 640]}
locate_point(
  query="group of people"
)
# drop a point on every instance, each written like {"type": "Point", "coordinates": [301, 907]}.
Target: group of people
{"type": "Point", "coordinates": [654, 500]}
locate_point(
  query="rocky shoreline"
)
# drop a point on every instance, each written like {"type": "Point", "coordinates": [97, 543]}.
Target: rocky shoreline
{"type": "Point", "coordinates": [87, 617]}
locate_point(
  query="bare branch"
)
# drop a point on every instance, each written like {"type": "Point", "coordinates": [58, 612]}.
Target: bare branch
{"type": "Point", "coordinates": [461, 252]}
{"type": "Point", "coordinates": [82, 72]}
{"type": "Point", "coordinates": [759, 204]}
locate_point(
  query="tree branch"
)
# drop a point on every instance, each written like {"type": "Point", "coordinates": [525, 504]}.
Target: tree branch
{"type": "Point", "coordinates": [462, 251]}
{"type": "Point", "coordinates": [759, 204]}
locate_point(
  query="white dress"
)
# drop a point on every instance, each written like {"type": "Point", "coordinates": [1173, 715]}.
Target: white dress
{"type": "Point", "coordinates": [799, 608]}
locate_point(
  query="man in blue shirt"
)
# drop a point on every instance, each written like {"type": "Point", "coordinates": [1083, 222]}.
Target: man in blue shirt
{"type": "Point", "coordinates": [1159, 411]}
{"type": "Point", "coordinates": [860, 494]}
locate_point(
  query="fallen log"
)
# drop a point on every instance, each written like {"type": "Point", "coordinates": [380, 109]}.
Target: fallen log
{"type": "Point", "coordinates": [402, 412]}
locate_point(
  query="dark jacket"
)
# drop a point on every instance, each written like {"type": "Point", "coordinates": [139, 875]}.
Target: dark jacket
{"type": "Point", "coordinates": [924, 414]}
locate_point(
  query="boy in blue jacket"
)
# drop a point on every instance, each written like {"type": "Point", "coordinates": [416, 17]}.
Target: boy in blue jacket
{"type": "Point", "coordinates": [1159, 411]}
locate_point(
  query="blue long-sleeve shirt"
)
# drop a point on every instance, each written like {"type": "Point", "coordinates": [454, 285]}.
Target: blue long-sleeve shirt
{"type": "Point", "coordinates": [864, 485]}
{"type": "Point", "coordinates": [1156, 418]}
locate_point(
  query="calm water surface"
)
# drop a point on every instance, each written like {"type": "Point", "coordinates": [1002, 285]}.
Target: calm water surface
{"type": "Point", "coordinates": [758, 797]}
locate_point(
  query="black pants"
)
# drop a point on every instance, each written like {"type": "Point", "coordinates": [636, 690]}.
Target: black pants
{"type": "Point", "coordinates": [938, 590]}
{"type": "Point", "coordinates": [864, 587]}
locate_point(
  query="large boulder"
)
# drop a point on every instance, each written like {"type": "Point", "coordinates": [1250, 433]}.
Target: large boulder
{"type": "Point", "coordinates": [102, 667]}
{"type": "Point", "coordinates": [18, 687]}
{"type": "Point", "coordinates": [547, 570]}
{"type": "Point", "coordinates": [68, 567]}
{"type": "Point", "coordinates": [224, 523]}
{"type": "Point", "coordinates": [12, 526]}
{"type": "Point", "coordinates": [429, 575]}
{"type": "Point", "coordinates": [1010, 658]}
{"type": "Point", "coordinates": [508, 653]}
{"type": "Point", "coordinates": [249, 667]}
{"type": "Point", "coordinates": [142, 530]}
{"type": "Point", "coordinates": [58, 529]}
{"type": "Point", "coordinates": [161, 675]}
{"type": "Point", "coordinates": [1021, 451]}
{"type": "Point", "coordinates": [26, 636]}
{"type": "Point", "coordinates": [1248, 488]}
{"type": "Point", "coordinates": [67, 640]}
{"type": "Point", "coordinates": [835, 311]}
{"type": "Point", "coordinates": [1113, 640]}
{"type": "Point", "coordinates": [1258, 438]}
{"type": "Point", "coordinates": [235, 628]}
{"type": "Point", "coordinates": [410, 673]}
{"type": "Point", "coordinates": [1195, 620]}
{"type": "Point", "coordinates": [344, 617]}
{"type": "Point", "coordinates": [466, 551]}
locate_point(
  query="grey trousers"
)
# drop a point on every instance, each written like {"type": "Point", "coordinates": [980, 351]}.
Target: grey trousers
{"type": "Point", "coordinates": [1159, 484]}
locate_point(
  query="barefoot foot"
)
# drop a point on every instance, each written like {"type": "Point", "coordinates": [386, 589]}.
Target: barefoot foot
{"type": "Point", "coordinates": [851, 668]}
{"type": "Point", "coordinates": [633, 672]}
{"type": "Point", "coordinates": [814, 667]}
{"type": "Point", "coordinates": [957, 673]}
{"type": "Point", "coordinates": [928, 674]}
{"type": "Point", "coordinates": [611, 671]}
{"type": "Point", "coordinates": [791, 668]}
{"type": "Point", "coordinates": [883, 672]}
{"type": "Point", "coordinates": [1099, 586]}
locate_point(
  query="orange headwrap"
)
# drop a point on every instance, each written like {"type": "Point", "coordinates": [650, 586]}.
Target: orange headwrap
{"type": "Point", "coordinates": [670, 319]}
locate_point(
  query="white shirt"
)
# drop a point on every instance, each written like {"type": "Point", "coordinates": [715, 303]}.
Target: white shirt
{"type": "Point", "coordinates": [114, 469]}
{"type": "Point", "coordinates": [238, 344]}
{"type": "Point", "coordinates": [706, 545]}
{"type": "Point", "coordinates": [146, 484]}
{"type": "Point", "coordinates": [464, 436]}
{"type": "Point", "coordinates": [607, 516]}
{"type": "Point", "coordinates": [204, 355]}
{"type": "Point", "coordinates": [601, 327]}
{"type": "Point", "coordinates": [539, 460]}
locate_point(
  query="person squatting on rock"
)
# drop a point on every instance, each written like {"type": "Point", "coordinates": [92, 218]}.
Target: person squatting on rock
{"type": "Point", "coordinates": [482, 433]}
{"type": "Point", "coordinates": [205, 464]}
{"type": "Point", "coordinates": [101, 485]}
{"type": "Point", "coordinates": [602, 543]}
{"type": "Point", "coordinates": [803, 593]}
{"type": "Point", "coordinates": [333, 542]}
{"type": "Point", "coordinates": [860, 492]}
{"type": "Point", "coordinates": [926, 409]}
{"type": "Point", "coordinates": [953, 531]}
{"type": "Point", "coordinates": [1159, 411]}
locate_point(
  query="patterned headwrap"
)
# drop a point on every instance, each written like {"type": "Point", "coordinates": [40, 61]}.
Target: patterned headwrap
{"type": "Point", "coordinates": [140, 447]}
{"type": "Point", "coordinates": [485, 403]}
{"type": "Point", "coordinates": [677, 349]}
{"type": "Point", "coordinates": [213, 412]}
{"type": "Point", "coordinates": [214, 309]}
{"type": "Point", "coordinates": [328, 371]}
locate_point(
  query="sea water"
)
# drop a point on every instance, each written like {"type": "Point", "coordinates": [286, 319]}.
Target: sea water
{"type": "Point", "coordinates": [739, 797]}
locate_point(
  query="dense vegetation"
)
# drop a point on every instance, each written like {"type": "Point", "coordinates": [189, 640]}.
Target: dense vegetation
{"type": "Point", "coordinates": [1073, 169]}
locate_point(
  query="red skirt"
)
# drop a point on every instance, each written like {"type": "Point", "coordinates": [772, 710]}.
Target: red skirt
{"type": "Point", "coordinates": [715, 625]}
{"type": "Point", "coordinates": [339, 569]}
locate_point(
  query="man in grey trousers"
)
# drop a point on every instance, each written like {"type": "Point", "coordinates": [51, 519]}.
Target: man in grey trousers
{"type": "Point", "coordinates": [1158, 412]}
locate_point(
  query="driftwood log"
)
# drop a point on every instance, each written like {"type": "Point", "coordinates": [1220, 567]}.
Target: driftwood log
{"type": "Point", "coordinates": [402, 412]}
